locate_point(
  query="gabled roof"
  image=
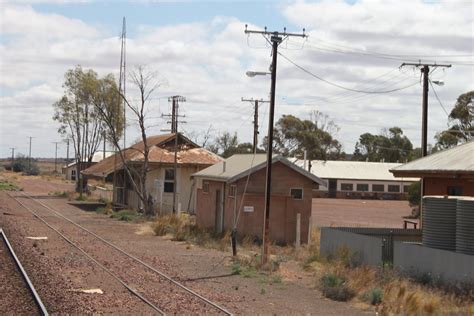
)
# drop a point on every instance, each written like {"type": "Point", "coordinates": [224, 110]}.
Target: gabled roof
{"type": "Point", "coordinates": [239, 166]}
{"type": "Point", "coordinates": [456, 160]}
{"type": "Point", "coordinates": [98, 156]}
{"type": "Point", "coordinates": [353, 170]}
{"type": "Point", "coordinates": [161, 150]}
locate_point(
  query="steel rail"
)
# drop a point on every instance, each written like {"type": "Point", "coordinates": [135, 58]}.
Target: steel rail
{"type": "Point", "coordinates": [32, 289]}
{"type": "Point", "coordinates": [132, 257]}
{"type": "Point", "coordinates": [133, 291]}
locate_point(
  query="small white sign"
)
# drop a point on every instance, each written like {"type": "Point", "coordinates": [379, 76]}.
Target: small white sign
{"type": "Point", "coordinates": [248, 209]}
{"type": "Point", "coordinates": [158, 184]}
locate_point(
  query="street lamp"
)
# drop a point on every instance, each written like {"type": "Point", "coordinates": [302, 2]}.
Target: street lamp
{"type": "Point", "coordinates": [257, 73]}
{"type": "Point", "coordinates": [438, 82]}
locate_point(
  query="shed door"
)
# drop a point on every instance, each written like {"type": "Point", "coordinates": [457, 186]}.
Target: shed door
{"type": "Point", "coordinates": [332, 188]}
{"type": "Point", "coordinates": [218, 224]}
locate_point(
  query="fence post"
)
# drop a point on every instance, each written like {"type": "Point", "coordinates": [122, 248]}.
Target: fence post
{"type": "Point", "coordinates": [298, 230]}
{"type": "Point", "coordinates": [310, 228]}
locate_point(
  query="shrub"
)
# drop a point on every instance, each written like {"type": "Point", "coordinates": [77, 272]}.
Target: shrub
{"type": "Point", "coordinates": [19, 165]}
{"type": "Point", "coordinates": [335, 288]}
{"type": "Point", "coordinates": [375, 296]}
{"type": "Point", "coordinates": [414, 193]}
{"type": "Point", "coordinates": [33, 170]}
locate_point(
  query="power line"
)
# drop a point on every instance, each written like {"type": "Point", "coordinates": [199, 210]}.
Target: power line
{"type": "Point", "coordinates": [437, 98]}
{"type": "Point", "coordinates": [384, 56]}
{"type": "Point", "coordinates": [340, 86]}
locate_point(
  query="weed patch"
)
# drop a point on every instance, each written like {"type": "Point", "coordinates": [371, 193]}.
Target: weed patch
{"type": "Point", "coordinates": [125, 215]}
{"type": "Point", "coordinates": [374, 296]}
{"type": "Point", "coordinates": [7, 186]}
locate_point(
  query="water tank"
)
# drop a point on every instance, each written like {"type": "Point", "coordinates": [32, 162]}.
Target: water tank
{"type": "Point", "coordinates": [439, 222]}
{"type": "Point", "coordinates": [465, 226]}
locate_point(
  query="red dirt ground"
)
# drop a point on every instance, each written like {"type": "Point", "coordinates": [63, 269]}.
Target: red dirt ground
{"type": "Point", "coordinates": [369, 213]}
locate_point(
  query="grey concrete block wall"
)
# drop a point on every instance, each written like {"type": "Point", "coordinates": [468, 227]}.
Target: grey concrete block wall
{"type": "Point", "coordinates": [365, 249]}
{"type": "Point", "coordinates": [447, 265]}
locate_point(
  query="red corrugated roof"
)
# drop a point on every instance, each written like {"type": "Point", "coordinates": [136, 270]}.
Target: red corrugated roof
{"type": "Point", "coordinates": [161, 151]}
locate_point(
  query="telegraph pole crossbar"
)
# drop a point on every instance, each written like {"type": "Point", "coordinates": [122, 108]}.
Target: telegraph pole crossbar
{"type": "Point", "coordinates": [275, 38]}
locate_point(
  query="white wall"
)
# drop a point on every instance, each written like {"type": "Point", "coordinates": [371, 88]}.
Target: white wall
{"type": "Point", "coordinates": [184, 187]}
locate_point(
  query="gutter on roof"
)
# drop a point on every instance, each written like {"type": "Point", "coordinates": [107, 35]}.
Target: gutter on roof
{"type": "Point", "coordinates": [436, 173]}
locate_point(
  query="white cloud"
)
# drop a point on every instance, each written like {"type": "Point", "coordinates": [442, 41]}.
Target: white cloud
{"type": "Point", "coordinates": [206, 62]}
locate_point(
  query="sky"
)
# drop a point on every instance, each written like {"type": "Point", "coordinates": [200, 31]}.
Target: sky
{"type": "Point", "coordinates": [198, 49]}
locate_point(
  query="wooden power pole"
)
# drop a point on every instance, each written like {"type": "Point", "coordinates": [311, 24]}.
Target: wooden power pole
{"type": "Point", "coordinates": [174, 129]}
{"type": "Point", "coordinates": [425, 70]}
{"type": "Point", "coordinates": [275, 38]}
{"type": "Point", "coordinates": [13, 156]}
{"type": "Point", "coordinates": [56, 157]}
{"type": "Point", "coordinates": [255, 120]}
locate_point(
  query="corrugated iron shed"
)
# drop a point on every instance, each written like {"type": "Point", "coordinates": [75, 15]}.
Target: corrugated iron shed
{"type": "Point", "coordinates": [240, 165]}
{"type": "Point", "coordinates": [353, 170]}
{"type": "Point", "coordinates": [457, 160]}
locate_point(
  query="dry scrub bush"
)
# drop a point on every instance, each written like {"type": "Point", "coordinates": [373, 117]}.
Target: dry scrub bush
{"type": "Point", "coordinates": [181, 228]}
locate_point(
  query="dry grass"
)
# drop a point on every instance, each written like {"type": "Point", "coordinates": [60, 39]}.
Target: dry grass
{"type": "Point", "coordinates": [364, 286]}
{"type": "Point", "coordinates": [398, 295]}
{"type": "Point", "coordinates": [182, 228]}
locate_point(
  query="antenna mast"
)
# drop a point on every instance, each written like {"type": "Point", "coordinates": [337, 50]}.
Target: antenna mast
{"type": "Point", "coordinates": [122, 79]}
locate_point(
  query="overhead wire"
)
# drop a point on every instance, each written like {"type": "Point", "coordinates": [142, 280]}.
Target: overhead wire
{"type": "Point", "coordinates": [437, 98]}
{"type": "Point", "coordinates": [389, 56]}
{"type": "Point", "coordinates": [341, 86]}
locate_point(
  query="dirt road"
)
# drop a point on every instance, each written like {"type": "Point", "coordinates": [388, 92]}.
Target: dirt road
{"type": "Point", "coordinates": [369, 213]}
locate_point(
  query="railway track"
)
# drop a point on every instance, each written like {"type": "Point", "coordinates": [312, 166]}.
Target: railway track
{"type": "Point", "coordinates": [152, 286]}
{"type": "Point", "coordinates": [35, 299]}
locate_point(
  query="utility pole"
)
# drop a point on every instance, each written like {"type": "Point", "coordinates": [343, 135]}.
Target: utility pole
{"type": "Point", "coordinates": [56, 157]}
{"type": "Point", "coordinates": [425, 70]}
{"type": "Point", "coordinates": [122, 78]}
{"type": "Point", "coordinates": [255, 120]}
{"type": "Point", "coordinates": [67, 152]}
{"type": "Point", "coordinates": [174, 129]}
{"type": "Point", "coordinates": [103, 152]}
{"type": "Point", "coordinates": [13, 156]}
{"type": "Point", "coordinates": [29, 155]}
{"type": "Point", "coordinates": [275, 38]}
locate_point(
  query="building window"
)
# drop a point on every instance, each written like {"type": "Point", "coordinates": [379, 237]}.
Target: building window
{"type": "Point", "coordinates": [296, 193]}
{"type": "Point", "coordinates": [232, 190]}
{"type": "Point", "coordinates": [73, 174]}
{"type": "Point", "coordinates": [347, 187]}
{"type": "Point", "coordinates": [393, 188]}
{"type": "Point", "coordinates": [362, 187]}
{"type": "Point", "coordinates": [205, 186]}
{"type": "Point", "coordinates": [406, 188]}
{"type": "Point", "coordinates": [378, 188]}
{"type": "Point", "coordinates": [455, 191]}
{"type": "Point", "coordinates": [169, 181]}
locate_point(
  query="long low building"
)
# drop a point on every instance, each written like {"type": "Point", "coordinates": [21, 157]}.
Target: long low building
{"type": "Point", "coordinates": [358, 179]}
